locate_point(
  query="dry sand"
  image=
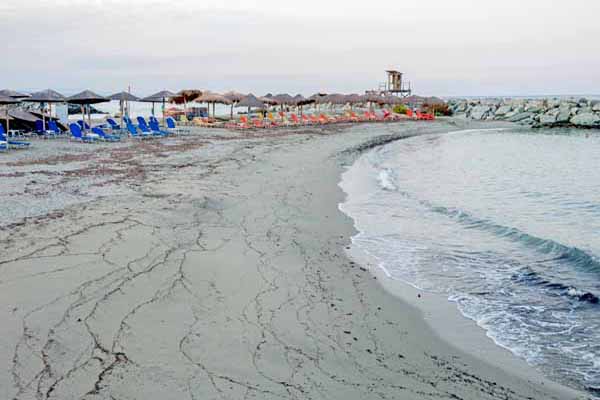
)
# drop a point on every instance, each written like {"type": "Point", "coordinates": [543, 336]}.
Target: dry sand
{"type": "Point", "coordinates": [211, 266]}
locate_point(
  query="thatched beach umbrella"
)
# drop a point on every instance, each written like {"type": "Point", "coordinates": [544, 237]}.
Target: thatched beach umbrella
{"type": "Point", "coordinates": [159, 97]}
{"type": "Point", "coordinates": [6, 101]}
{"type": "Point", "coordinates": [213, 98]}
{"type": "Point", "coordinates": [269, 100]}
{"type": "Point", "coordinates": [250, 101]}
{"type": "Point", "coordinates": [186, 96]}
{"type": "Point", "coordinates": [14, 94]}
{"type": "Point", "coordinates": [284, 99]}
{"type": "Point", "coordinates": [86, 98]}
{"type": "Point", "coordinates": [47, 96]}
{"type": "Point", "coordinates": [318, 98]}
{"type": "Point", "coordinates": [234, 97]}
{"type": "Point", "coordinates": [25, 116]}
{"type": "Point", "coordinates": [353, 98]}
{"type": "Point", "coordinates": [123, 98]}
{"type": "Point", "coordinates": [373, 98]}
{"type": "Point", "coordinates": [300, 101]}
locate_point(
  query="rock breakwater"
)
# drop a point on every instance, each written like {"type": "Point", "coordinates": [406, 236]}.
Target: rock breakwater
{"type": "Point", "coordinates": [580, 113]}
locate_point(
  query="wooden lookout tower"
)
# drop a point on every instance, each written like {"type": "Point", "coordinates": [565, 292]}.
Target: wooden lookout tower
{"type": "Point", "coordinates": [394, 85]}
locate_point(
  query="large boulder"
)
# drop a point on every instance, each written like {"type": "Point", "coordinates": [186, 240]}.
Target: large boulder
{"type": "Point", "coordinates": [586, 119]}
{"type": "Point", "coordinates": [563, 116]}
{"type": "Point", "coordinates": [460, 107]}
{"type": "Point", "coordinates": [480, 112]}
{"type": "Point", "coordinates": [503, 110]}
{"type": "Point", "coordinates": [534, 109]}
{"type": "Point", "coordinates": [520, 117]}
{"type": "Point", "coordinates": [548, 118]}
{"type": "Point", "coordinates": [596, 107]}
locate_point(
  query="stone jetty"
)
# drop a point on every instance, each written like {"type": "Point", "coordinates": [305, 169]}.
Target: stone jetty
{"type": "Point", "coordinates": [580, 113]}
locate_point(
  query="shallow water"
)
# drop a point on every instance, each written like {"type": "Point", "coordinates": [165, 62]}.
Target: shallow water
{"type": "Point", "coordinates": [505, 223]}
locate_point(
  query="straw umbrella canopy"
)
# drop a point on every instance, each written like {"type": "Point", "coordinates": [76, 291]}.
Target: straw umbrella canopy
{"type": "Point", "coordinates": [300, 101]}
{"type": "Point", "coordinates": [159, 97]}
{"type": "Point", "coordinates": [14, 94]}
{"type": "Point", "coordinates": [269, 100]}
{"type": "Point", "coordinates": [186, 96]}
{"type": "Point", "coordinates": [5, 100]}
{"type": "Point", "coordinates": [213, 98]}
{"type": "Point", "coordinates": [22, 115]}
{"type": "Point", "coordinates": [86, 98]}
{"type": "Point", "coordinates": [374, 98]}
{"type": "Point", "coordinates": [48, 96]}
{"type": "Point", "coordinates": [122, 98]}
{"type": "Point", "coordinates": [353, 99]}
{"type": "Point", "coordinates": [319, 98]}
{"type": "Point", "coordinates": [250, 101]}
{"type": "Point", "coordinates": [284, 99]}
{"type": "Point", "coordinates": [234, 97]}
{"type": "Point", "coordinates": [339, 99]}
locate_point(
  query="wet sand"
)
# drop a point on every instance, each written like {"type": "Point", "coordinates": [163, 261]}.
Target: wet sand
{"type": "Point", "coordinates": [211, 266]}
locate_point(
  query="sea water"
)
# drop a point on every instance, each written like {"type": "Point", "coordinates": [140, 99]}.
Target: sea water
{"type": "Point", "coordinates": [503, 222]}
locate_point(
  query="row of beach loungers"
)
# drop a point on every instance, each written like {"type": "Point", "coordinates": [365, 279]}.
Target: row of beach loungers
{"type": "Point", "coordinates": [81, 131]}
{"type": "Point", "coordinates": [111, 131]}
{"type": "Point", "coordinates": [282, 119]}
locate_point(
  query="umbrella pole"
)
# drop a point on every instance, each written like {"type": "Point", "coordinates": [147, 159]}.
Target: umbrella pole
{"type": "Point", "coordinates": [231, 116]}
{"type": "Point", "coordinates": [7, 129]}
{"type": "Point", "coordinates": [43, 119]}
{"type": "Point", "coordinates": [163, 111]}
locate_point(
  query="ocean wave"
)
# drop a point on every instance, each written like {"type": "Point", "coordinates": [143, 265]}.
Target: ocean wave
{"type": "Point", "coordinates": [560, 252]}
{"type": "Point", "coordinates": [530, 277]}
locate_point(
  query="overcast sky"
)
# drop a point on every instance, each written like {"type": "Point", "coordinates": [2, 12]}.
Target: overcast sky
{"type": "Point", "coordinates": [445, 47]}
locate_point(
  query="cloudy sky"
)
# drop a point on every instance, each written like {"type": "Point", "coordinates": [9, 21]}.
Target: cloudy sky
{"type": "Point", "coordinates": [445, 47]}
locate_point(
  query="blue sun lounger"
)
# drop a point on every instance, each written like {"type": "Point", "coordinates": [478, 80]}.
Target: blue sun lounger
{"type": "Point", "coordinates": [171, 125]}
{"type": "Point", "coordinates": [113, 124]}
{"type": "Point", "coordinates": [11, 143]}
{"type": "Point", "coordinates": [145, 129]}
{"type": "Point", "coordinates": [135, 134]}
{"type": "Point", "coordinates": [84, 125]}
{"type": "Point", "coordinates": [103, 136]}
{"type": "Point", "coordinates": [53, 126]}
{"type": "Point", "coordinates": [156, 128]}
{"type": "Point", "coordinates": [39, 129]}
{"type": "Point", "coordinates": [78, 135]}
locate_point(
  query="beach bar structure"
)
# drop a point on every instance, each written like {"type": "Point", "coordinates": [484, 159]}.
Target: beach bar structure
{"type": "Point", "coordinates": [394, 85]}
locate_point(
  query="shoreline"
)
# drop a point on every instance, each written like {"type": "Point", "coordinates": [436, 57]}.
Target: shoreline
{"type": "Point", "coordinates": [440, 313]}
{"type": "Point", "coordinates": [221, 270]}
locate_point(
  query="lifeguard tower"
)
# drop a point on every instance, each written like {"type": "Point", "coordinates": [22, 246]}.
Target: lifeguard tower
{"type": "Point", "coordinates": [394, 85]}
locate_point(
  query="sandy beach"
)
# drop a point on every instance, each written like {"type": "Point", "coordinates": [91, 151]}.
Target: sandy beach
{"type": "Point", "coordinates": [214, 265]}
